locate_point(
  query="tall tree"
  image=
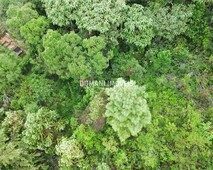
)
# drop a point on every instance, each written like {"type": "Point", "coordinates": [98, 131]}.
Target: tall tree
{"type": "Point", "coordinates": [170, 22]}
{"type": "Point", "coordinates": [34, 30]}
{"type": "Point", "coordinates": [70, 56]}
{"type": "Point", "coordinates": [138, 26]}
{"type": "Point", "coordinates": [18, 16]}
{"type": "Point", "coordinates": [127, 110]}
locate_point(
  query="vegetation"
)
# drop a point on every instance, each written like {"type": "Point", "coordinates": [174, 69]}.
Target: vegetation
{"type": "Point", "coordinates": [127, 110]}
{"type": "Point", "coordinates": [107, 85]}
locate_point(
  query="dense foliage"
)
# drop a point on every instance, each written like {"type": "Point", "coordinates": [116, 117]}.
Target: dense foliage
{"type": "Point", "coordinates": [70, 56]}
{"type": "Point", "coordinates": [138, 26]}
{"type": "Point", "coordinates": [127, 111]}
{"type": "Point", "coordinates": [106, 85]}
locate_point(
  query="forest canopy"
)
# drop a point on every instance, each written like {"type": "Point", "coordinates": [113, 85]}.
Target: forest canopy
{"type": "Point", "coordinates": [106, 84]}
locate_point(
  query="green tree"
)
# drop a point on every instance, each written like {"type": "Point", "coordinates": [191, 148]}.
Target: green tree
{"type": "Point", "coordinates": [13, 153]}
{"type": "Point", "coordinates": [101, 15]}
{"type": "Point", "coordinates": [186, 135]}
{"type": "Point", "coordinates": [18, 16]}
{"type": "Point", "coordinates": [93, 114]}
{"type": "Point", "coordinates": [89, 139]}
{"type": "Point", "coordinates": [61, 12]}
{"type": "Point", "coordinates": [34, 30]}
{"type": "Point", "coordinates": [198, 29]}
{"type": "Point", "coordinates": [4, 4]}
{"type": "Point", "coordinates": [34, 89]}
{"type": "Point", "coordinates": [127, 110]}
{"type": "Point", "coordinates": [126, 66]}
{"type": "Point", "coordinates": [138, 26]}
{"type": "Point", "coordinates": [169, 23]}
{"type": "Point", "coordinates": [41, 129]}
{"type": "Point", "coordinates": [95, 15]}
{"type": "Point", "coordinates": [70, 152]}
{"type": "Point", "coordinates": [103, 166]}
{"type": "Point", "coordinates": [69, 56]}
{"type": "Point", "coordinates": [10, 69]}
{"type": "Point", "coordinates": [161, 63]}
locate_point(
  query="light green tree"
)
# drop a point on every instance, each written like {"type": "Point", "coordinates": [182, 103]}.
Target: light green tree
{"type": "Point", "coordinates": [18, 16]}
{"type": "Point", "coordinates": [103, 166]}
{"type": "Point", "coordinates": [13, 153]}
{"type": "Point", "coordinates": [4, 4]}
{"type": "Point", "coordinates": [101, 15]}
{"type": "Point", "coordinates": [61, 12]}
{"type": "Point", "coordinates": [93, 15]}
{"type": "Point", "coordinates": [41, 128]}
{"type": "Point", "coordinates": [69, 151]}
{"type": "Point", "coordinates": [138, 26]}
{"type": "Point", "coordinates": [127, 110]}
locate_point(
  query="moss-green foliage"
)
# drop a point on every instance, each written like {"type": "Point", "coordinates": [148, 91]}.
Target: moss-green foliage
{"type": "Point", "coordinates": [61, 12]}
{"type": "Point", "coordinates": [89, 139]}
{"type": "Point", "coordinates": [34, 89]}
{"type": "Point", "coordinates": [48, 120]}
{"type": "Point", "coordinates": [127, 111]}
{"type": "Point", "coordinates": [199, 31]}
{"type": "Point", "coordinates": [10, 69]}
{"type": "Point", "coordinates": [127, 66]}
{"type": "Point", "coordinates": [40, 91]}
{"type": "Point", "coordinates": [187, 136]}
{"type": "Point", "coordinates": [161, 63]}
{"type": "Point", "coordinates": [175, 138]}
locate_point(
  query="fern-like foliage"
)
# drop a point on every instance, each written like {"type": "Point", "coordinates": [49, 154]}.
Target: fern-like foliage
{"type": "Point", "coordinates": [70, 152]}
{"type": "Point", "coordinates": [41, 128]}
{"type": "Point", "coordinates": [13, 153]}
{"type": "Point", "coordinates": [127, 110]}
